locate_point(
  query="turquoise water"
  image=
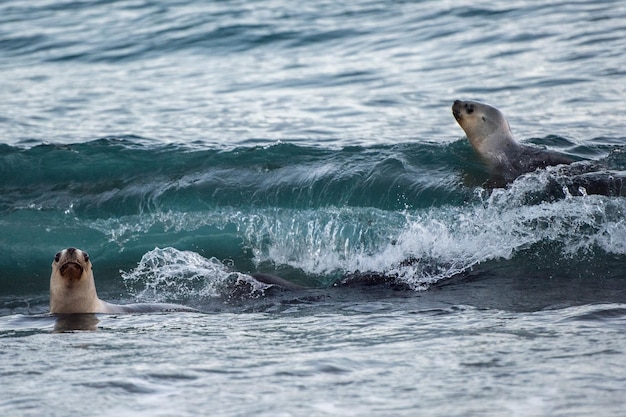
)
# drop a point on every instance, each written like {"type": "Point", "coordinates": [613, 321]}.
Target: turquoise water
{"type": "Point", "coordinates": [187, 145]}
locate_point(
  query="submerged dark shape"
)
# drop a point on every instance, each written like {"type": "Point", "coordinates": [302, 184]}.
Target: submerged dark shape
{"type": "Point", "coordinates": [373, 279]}
{"type": "Point", "coordinates": [601, 182]}
{"type": "Point", "coordinates": [271, 279]}
{"type": "Point", "coordinates": [76, 322]}
{"type": "Point", "coordinates": [490, 135]}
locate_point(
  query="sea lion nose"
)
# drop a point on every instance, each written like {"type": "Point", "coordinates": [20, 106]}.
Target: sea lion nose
{"type": "Point", "coordinates": [71, 251]}
{"type": "Point", "coordinates": [456, 109]}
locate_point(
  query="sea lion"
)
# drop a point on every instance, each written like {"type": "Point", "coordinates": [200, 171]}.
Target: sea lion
{"type": "Point", "coordinates": [490, 135]}
{"type": "Point", "coordinates": [73, 289]}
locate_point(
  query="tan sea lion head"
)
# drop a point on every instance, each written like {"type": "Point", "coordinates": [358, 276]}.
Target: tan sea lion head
{"type": "Point", "coordinates": [72, 286]}
{"type": "Point", "coordinates": [485, 126]}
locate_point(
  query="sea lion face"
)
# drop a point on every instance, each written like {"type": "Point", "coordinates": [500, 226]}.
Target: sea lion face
{"type": "Point", "coordinates": [72, 287]}
{"type": "Point", "coordinates": [482, 124]}
{"type": "Point", "coordinates": [71, 264]}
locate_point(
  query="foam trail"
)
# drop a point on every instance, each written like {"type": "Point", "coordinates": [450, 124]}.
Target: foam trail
{"type": "Point", "coordinates": [420, 247]}
{"type": "Point", "coordinates": [170, 274]}
{"type": "Point", "coordinates": [439, 242]}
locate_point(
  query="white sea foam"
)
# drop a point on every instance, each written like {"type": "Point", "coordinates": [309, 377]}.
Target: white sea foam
{"type": "Point", "coordinates": [168, 273]}
{"type": "Point", "coordinates": [439, 242]}
{"type": "Point", "coordinates": [418, 246]}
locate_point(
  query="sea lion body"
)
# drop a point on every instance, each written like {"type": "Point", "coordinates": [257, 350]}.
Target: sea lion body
{"type": "Point", "coordinates": [490, 135]}
{"type": "Point", "coordinates": [73, 289]}
{"type": "Point", "coordinates": [277, 281]}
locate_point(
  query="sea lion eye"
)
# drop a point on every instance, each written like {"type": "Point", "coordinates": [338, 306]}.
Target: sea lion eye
{"type": "Point", "coordinates": [86, 256]}
{"type": "Point", "coordinates": [470, 109]}
{"type": "Point", "coordinates": [57, 257]}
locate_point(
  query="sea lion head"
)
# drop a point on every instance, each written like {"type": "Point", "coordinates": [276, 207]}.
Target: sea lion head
{"type": "Point", "coordinates": [72, 287]}
{"type": "Point", "coordinates": [485, 126]}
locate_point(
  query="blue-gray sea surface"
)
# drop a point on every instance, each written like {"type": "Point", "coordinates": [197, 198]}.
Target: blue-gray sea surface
{"type": "Point", "coordinates": [187, 144]}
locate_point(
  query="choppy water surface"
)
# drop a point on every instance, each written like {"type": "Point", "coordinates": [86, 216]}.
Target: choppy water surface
{"type": "Point", "coordinates": [188, 144]}
{"type": "Point", "coordinates": [396, 356]}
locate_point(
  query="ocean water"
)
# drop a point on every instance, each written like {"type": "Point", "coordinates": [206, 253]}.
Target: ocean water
{"type": "Point", "coordinates": [188, 144]}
